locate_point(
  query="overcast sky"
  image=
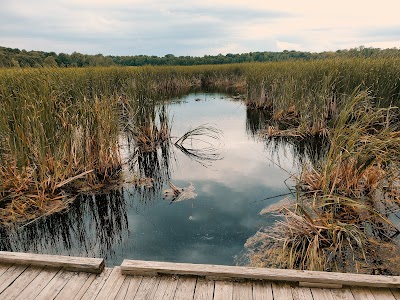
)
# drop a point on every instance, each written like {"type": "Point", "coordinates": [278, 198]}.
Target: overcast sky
{"type": "Point", "coordinates": [130, 27]}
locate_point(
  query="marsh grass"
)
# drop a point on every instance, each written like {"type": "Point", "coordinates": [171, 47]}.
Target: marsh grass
{"type": "Point", "coordinates": [345, 200]}
{"type": "Point", "coordinates": [304, 98]}
{"type": "Point", "coordinates": [60, 128]}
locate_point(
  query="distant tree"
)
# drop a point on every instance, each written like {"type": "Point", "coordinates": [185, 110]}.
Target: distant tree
{"type": "Point", "coordinates": [14, 63]}
{"type": "Point", "coordinates": [63, 60]}
{"type": "Point", "coordinates": [50, 61]}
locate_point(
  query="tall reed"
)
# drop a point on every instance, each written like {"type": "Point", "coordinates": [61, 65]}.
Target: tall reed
{"type": "Point", "coordinates": [305, 96]}
{"type": "Point", "coordinates": [345, 200]}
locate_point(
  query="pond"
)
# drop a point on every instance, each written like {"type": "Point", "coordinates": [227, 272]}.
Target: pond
{"type": "Point", "coordinates": [136, 222]}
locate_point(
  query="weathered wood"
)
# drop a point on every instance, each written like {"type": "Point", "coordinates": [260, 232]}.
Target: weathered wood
{"type": "Point", "coordinates": [55, 285]}
{"type": "Point", "coordinates": [13, 290]}
{"type": "Point", "coordinates": [123, 290]}
{"type": "Point", "coordinates": [223, 290]}
{"type": "Point", "coordinates": [282, 291]}
{"type": "Point", "coordinates": [348, 279]}
{"type": "Point", "coordinates": [30, 282]}
{"type": "Point", "coordinates": [38, 284]}
{"type": "Point", "coordinates": [95, 287]}
{"type": "Point", "coordinates": [112, 285]}
{"type": "Point", "coordinates": [262, 290]}
{"type": "Point", "coordinates": [396, 293]}
{"type": "Point", "coordinates": [147, 287]}
{"type": "Point", "coordinates": [92, 277]}
{"type": "Point", "coordinates": [83, 264]}
{"type": "Point", "coordinates": [10, 275]}
{"type": "Point", "coordinates": [185, 288]}
{"type": "Point", "coordinates": [321, 294]}
{"type": "Point", "coordinates": [384, 294]}
{"type": "Point", "coordinates": [343, 294]}
{"type": "Point", "coordinates": [320, 285]}
{"type": "Point", "coordinates": [166, 288]}
{"type": "Point", "coordinates": [242, 290]}
{"type": "Point", "coordinates": [204, 289]}
{"type": "Point", "coordinates": [362, 293]}
{"type": "Point", "coordinates": [134, 283]}
{"type": "Point", "coordinates": [4, 267]}
{"type": "Point", "coordinates": [73, 286]}
{"type": "Point", "coordinates": [301, 293]}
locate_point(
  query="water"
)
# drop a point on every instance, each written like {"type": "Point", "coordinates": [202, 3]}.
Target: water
{"type": "Point", "coordinates": [137, 223]}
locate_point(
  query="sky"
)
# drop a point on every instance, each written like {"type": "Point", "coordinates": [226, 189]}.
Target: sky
{"type": "Point", "coordinates": [197, 28]}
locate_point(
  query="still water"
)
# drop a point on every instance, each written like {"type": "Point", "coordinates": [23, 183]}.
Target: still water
{"type": "Point", "coordinates": [136, 222]}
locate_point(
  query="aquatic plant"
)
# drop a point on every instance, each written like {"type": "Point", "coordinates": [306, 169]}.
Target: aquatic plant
{"type": "Point", "coordinates": [344, 200]}
{"type": "Point", "coordinates": [60, 128]}
{"type": "Point", "coordinates": [304, 98]}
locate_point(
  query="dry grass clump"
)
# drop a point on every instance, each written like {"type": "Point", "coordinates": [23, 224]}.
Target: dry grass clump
{"type": "Point", "coordinates": [318, 239]}
{"type": "Point", "coordinates": [345, 200]}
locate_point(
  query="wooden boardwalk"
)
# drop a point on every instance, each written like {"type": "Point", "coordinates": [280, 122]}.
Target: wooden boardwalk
{"type": "Point", "coordinates": [31, 278]}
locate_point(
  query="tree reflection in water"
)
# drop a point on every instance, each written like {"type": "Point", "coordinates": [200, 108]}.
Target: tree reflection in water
{"type": "Point", "coordinates": [92, 226]}
{"type": "Point", "coordinates": [96, 224]}
{"type": "Point", "coordinates": [304, 150]}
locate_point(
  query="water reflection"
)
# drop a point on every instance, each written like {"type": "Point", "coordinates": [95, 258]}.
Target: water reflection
{"type": "Point", "coordinates": [136, 222]}
{"type": "Point", "coordinates": [94, 225]}
{"type": "Point", "coordinates": [256, 120]}
{"type": "Point", "coordinates": [307, 150]}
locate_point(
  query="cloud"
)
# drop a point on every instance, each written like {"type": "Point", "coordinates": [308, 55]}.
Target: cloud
{"type": "Point", "coordinates": [126, 27]}
{"type": "Point", "coordinates": [281, 45]}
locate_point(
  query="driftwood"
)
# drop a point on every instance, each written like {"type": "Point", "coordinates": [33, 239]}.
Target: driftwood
{"type": "Point", "coordinates": [178, 194]}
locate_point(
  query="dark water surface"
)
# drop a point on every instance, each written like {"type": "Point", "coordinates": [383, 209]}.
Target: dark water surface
{"type": "Point", "coordinates": [137, 223]}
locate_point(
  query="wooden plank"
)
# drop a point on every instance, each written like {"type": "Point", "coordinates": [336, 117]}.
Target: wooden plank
{"type": "Point", "coordinates": [384, 294]}
{"type": "Point", "coordinates": [73, 286]}
{"type": "Point", "coordinates": [82, 264]}
{"type": "Point", "coordinates": [242, 290]}
{"type": "Point", "coordinates": [21, 283]}
{"type": "Point", "coordinates": [282, 291]}
{"type": "Point", "coordinates": [95, 287]}
{"type": "Point", "coordinates": [223, 290]}
{"type": "Point", "coordinates": [10, 275]}
{"type": "Point", "coordinates": [166, 288]}
{"type": "Point", "coordinates": [134, 283]}
{"type": "Point", "coordinates": [55, 285]}
{"type": "Point", "coordinates": [204, 289]}
{"type": "Point", "coordinates": [321, 294]}
{"type": "Point", "coordinates": [396, 294]}
{"type": "Point", "coordinates": [4, 268]}
{"type": "Point", "coordinates": [301, 293]}
{"type": "Point", "coordinates": [185, 288]}
{"type": "Point", "coordinates": [92, 277]}
{"type": "Point", "coordinates": [124, 289]}
{"type": "Point", "coordinates": [343, 294]}
{"type": "Point", "coordinates": [147, 287]}
{"type": "Point", "coordinates": [262, 290]}
{"type": "Point", "coordinates": [320, 285]}
{"type": "Point", "coordinates": [362, 293]}
{"type": "Point", "coordinates": [112, 285]}
{"type": "Point", "coordinates": [38, 284]}
{"type": "Point", "coordinates": [348, 279]}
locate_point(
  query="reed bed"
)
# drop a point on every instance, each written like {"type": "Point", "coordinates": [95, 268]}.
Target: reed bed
{"type": "Point", "coordinates": [60, 128]}
{"type": "Point", "coordinates": [304, 98]}
{"type": "Point", "coordinates": [342, 219]}
{"type": "Point", "coordinates": [60, 135]}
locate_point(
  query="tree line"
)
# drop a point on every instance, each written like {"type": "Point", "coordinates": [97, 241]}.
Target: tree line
{"type": "Point", "coordinates": [10, 57]}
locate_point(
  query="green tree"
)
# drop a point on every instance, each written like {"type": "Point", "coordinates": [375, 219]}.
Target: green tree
{"type": "Point", "coordinates": [50, 61]}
